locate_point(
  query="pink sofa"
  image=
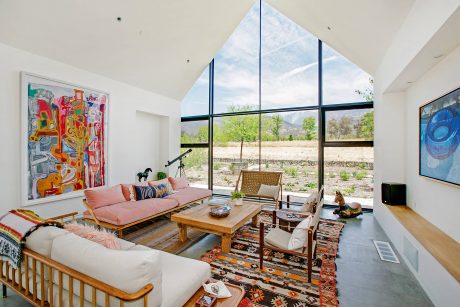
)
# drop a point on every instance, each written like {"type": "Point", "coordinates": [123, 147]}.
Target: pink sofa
{"type": "Point", "coordinates": [113, 208]}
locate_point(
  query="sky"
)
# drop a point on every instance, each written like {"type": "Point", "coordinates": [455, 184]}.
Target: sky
{"type": "Point", "coordinates": [289, 69]}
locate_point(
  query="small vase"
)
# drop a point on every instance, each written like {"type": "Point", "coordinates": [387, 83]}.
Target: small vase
{"type": "Point", "coordinates": [238, 202]}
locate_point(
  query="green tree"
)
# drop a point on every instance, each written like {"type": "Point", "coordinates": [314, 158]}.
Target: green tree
{"type": "Point", "coordinates": [202, 134]}
{"type": "Point", "coordinates": [241, 128]}
{"type": "Point", "coordinates": [277, 123]}
{"type": "Point", "coordinates": [368, 92]}
{"type": "Point", "coordinates": [366, 126]}
{"type": "Point", "coordinates": [309, 126]}
{"type": "Point", "coordinates": [345, 126]}
{"type": "Point", "coordinates": [332, 129]}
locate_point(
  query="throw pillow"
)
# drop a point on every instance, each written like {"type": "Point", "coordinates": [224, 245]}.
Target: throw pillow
{"type": "Point", "coordinates": [178, 183]}
{"type": "Point", "coordinates": [300, 234]}
{"type": "Point", "coordinates": [309, 203]}
{"type": "Point", "coordinates": [145, 192]}
{"type": "Point", "coordinates": [128, 192]}
{"type": "Point", "coordinates": [155, 183]}
{"type": "Point", "coordinates": [269, 190]}
{"type": "Point", "coordinates": [102, 237]}
{"type": "Point", "coordinates": [161, 191]}
{"type": "Point", "coordinates": [103, 197]}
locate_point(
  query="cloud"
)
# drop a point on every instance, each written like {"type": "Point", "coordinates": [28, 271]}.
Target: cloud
{"type": "Point", "coordinates": [289, 68]}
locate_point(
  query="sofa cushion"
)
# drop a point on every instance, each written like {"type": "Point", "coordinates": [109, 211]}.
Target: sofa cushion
{"type": "Point", "coordinates": [128, 192]}
{"type": "Point", "coordinates": [145, 192]}
{"type": "Point", "coordinates": [155, 183]}
{"type": "Point", "coordinates": [181, 278]}
{"type": "Point", "coordinates": [188, 195]}
{"type": "Point", "coordinates": [41, 240]}
{"type": "Point", "coordinates": [178, 183]}
{"type": "Point", "coordinates": [102, 236]}
{"type": "Point", "coordinates": [123, 269]}
{"type": "Point", "coordinates": [104, 197]}
{"type": "Point", "coordinates": [158, 182]}
{"type": "Point", "coordinates": [128, 212]}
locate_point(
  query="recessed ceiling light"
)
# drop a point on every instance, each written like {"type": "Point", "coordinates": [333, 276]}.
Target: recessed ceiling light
{"type": "Point", "coordinates": [119, 19]}
{"type": "Point", "coordinates": [188, 61]}
{"type": "Point", "coordinates": [329, 28]}
{"type": "Point", "coordinates": [438, 56]}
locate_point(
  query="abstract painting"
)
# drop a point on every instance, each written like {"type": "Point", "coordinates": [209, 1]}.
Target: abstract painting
{"type": "Point", "coordinates": [440, 138]}
{"type": "Point", "coordinates": [66, 139]}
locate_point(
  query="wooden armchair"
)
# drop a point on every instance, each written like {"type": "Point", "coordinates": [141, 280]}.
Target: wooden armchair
{"type": "Point", "coordinates": [316, 198]}
{"type": "Point", "coordinates": [252, 180]}
{"type": "Point", "coordinates": [277, 239]}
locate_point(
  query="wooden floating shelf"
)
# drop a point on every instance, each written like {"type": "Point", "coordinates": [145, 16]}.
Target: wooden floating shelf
{"type": "Point", "coordinates": [441, 246]}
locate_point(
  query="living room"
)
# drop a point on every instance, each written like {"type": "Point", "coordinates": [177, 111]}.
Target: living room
{"type": "Point", "coordinates": [283, 105]}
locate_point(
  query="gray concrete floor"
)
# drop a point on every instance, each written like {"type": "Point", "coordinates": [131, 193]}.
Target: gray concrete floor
{"type": "Point", "coordinates": [363, 280]}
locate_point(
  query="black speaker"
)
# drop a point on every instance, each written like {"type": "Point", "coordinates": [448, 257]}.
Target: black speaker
{"type": "Point", "coordinates": [393, 193]}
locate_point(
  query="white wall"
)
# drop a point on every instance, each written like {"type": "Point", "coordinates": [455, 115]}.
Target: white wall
{"type": "Point", "coordinates": [125, 101]}
{"type": "Point", "coordinates": [436, 201]}
{"type": "Point", "coordinates": [396, 159]}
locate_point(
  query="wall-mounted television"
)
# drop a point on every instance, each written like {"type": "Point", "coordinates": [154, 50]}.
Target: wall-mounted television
{"type": "Point", "coordinates": [440, 137]}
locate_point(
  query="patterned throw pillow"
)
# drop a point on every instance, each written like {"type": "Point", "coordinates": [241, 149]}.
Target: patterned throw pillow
{"type": "Point", "coordinates": [145, 192]}
{"type": "Point", "coordinates": [161, 190]}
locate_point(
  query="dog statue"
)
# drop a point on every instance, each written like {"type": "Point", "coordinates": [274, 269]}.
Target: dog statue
{"type": "Point", "coordinates": [144, 174]}
{"type": "Point", "coordinates": [346, 211]}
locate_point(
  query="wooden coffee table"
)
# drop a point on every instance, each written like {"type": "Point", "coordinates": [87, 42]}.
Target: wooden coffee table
{"type": "Point", "coordinates": [233, 301]}
{"type": "Point", "coordinates": [198, 217]}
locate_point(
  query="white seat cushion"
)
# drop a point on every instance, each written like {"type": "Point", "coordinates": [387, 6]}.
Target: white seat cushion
{"type": "Point", "coordinates": [182, 277]}
{"type": "Point", "coordinates": [40, 240]}
{"type": "Point", "coordinates": [278, 238]}
{"type": "Point", "coordinates": [127, 270]}
{"type": "Point", "coordinates": [299, 236]}
{"type": "Point", "coordinates": [125, 245]}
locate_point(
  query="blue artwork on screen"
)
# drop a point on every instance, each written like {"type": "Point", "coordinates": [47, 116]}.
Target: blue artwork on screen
{"type": "Point", "coordinates": [440, 138]}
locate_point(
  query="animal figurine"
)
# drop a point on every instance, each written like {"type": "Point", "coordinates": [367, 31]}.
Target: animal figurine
{"type": "Point", "coordinates": [144, 174]}
{"type": "Point", "coordinates": [346, 211]}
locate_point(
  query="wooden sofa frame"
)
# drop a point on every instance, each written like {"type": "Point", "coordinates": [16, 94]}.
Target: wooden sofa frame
{"type": "Point", "coordinates": [42, 264]}
{"type": "Point", "coordinates": [308, 251]}
{"type": "Point", "coordinates": [119, 228]}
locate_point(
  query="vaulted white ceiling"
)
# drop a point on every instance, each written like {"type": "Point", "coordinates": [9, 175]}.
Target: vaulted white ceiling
{"type": "Point", "coordinates": [150, 46]}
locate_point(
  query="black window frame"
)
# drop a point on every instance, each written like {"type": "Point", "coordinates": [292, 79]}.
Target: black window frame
{"type": "Point", "coordinates": [320, 107]}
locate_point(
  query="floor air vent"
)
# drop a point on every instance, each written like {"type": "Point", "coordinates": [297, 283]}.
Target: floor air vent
{"type": "Point", "coordinates": [385, 251]}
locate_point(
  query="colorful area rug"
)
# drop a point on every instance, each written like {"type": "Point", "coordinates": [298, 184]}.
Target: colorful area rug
{"type": "Point", "coordinates": [283, 282]}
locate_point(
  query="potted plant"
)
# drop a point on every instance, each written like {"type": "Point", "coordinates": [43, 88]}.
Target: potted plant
{"type": "Point", "coordinates": [161, 175]}
{"type": "Point", "coordinates": [237, 198]}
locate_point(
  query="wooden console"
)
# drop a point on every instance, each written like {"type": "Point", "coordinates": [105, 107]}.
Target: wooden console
{"type": "Point", "coordinates": [441, 246]}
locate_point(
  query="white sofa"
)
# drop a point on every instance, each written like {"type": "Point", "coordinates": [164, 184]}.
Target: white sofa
{"type": "Point", "coordinates": [175, 279]}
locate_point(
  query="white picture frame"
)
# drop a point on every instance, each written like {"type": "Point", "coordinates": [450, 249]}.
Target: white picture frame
{"type": "Point", "coordinates": [26, 79]}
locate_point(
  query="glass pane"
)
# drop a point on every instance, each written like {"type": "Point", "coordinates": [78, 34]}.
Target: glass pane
{"type": "Point", "coordinates": [196, 167]}
{"type": "Point", "coordinates": [290, 144]}
{"type": "Point", "coordinates": [236, 147]}
{"type": "Point", "coordinates": [196, 102]}
{"type": "Point", "coordinates": [350, 125]}
{"type": "Point", "coordinates": [194, 132]}
{"type": "Point", "coordinates": [351, 171]}
{"type": "Point", "coordinates": [343, 81]}
{"type": "Point", "coordinates": [289, 62]}
{"type": "Point", "coordinates": [236, 67]}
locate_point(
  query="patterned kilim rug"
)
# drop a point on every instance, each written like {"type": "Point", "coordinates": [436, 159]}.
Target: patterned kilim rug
{"type": "Point", "coordinates": [283, 281]}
